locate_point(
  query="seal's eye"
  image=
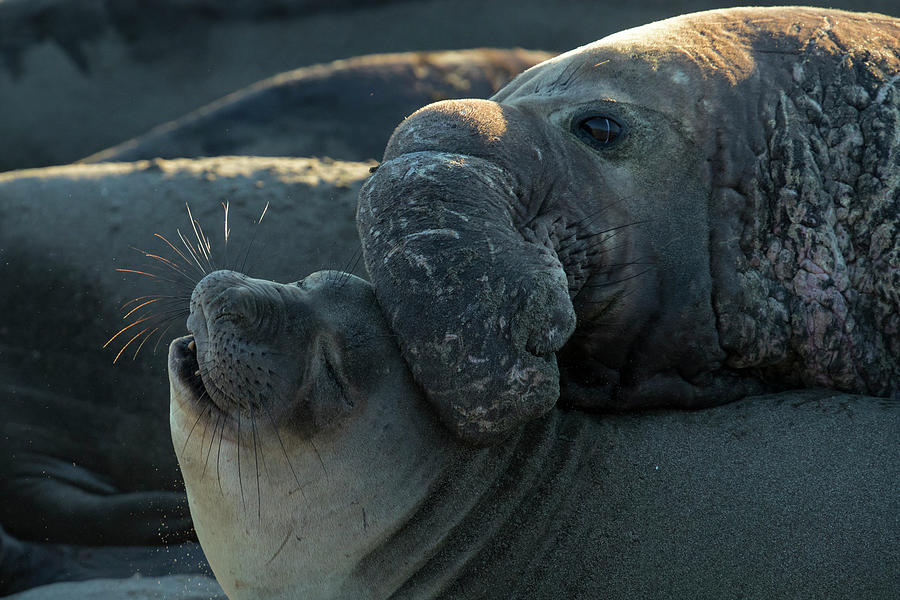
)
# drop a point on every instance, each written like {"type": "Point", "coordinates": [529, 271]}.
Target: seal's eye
{"type": "Point", "coordinates": [603, 131]}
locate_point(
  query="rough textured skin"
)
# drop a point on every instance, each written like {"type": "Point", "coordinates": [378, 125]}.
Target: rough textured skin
{"type": "Point", "coordinates": [818, 266]}
{"type": "Point", "coordinates": [740, 234]}
{"type": "Point", "coordinates": [474, 380]}
{"type": "Point", "coordinates": [345, 110]}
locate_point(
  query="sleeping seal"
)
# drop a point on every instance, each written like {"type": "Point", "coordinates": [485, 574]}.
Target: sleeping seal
{"type": "Point", "coordinates": [315, 468]}
{"type": "Point", "coordinates": [681, 214]}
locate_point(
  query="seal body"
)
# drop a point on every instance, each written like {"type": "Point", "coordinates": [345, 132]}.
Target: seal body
{"type": "Point", "coordinates": [315, 468]}
{"type": "Point", "coordinates": [345, 110]}
{"type": "Point", "coordinates": [677, 215]}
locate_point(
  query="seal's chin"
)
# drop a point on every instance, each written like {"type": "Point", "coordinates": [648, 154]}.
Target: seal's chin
{"type": "Point", "coordinates": [184, 368]}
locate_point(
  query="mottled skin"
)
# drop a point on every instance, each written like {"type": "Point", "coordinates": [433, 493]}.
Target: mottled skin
{"type": "Point", "coordinates": [740, 234]}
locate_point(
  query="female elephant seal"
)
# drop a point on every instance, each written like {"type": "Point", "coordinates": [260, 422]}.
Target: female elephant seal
{"type": "Point", "coordinates": [315, 469]}
{"type": "Point", "coordinates": [682, 213]}
{"type": "Point", "coordinates": [301, 443]}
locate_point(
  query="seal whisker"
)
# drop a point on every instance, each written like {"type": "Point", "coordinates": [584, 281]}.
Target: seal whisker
{"type": "Point", "coordinates": [212, 439]}
{"type": "Point", "coordinates": [616, 228]}
{"type": "Point", "coordinates": [601, 247]}
{"type": "Point", "coordinates": [219, 457]}
{"type": "Point", "coordinates": [146, 274]}
{"type": "Point", "coordinates": [165, 262]}
{"type": "Point", "coordinates": [164, 273]}
{"type": "Point", "coordinates": [128, 343]}
{"type": "Point", "coordinates": [256, 461]}
{"type": "Point", "coordinates": [163, 333]}
{"type": "Point", "coordinates": [212, 374]}
{"type": "Point", "coordinates": [352, 268]}
{"type": "Point", "coordinates": [165, 319]}
{"type": "Point", "coordinates": [177, 251]}
{"type": "Point", "coordinates": [203, 244]}
{"type": "Point", "coordinates": [607, 205]}
{"type": "Point", "coordinates": [191, 432]}
{"type": "Point", "coordinates": [179, 299]}
{"type": "Point", "coordinates": [162, 327]}
{"type": "Point", "coordinates": [205, 429]}
{"type": "Point", "coordinates": [144, 341]}
{"type": "Point", "coordinates": [281, 444]}
{"type": "Point", "coordinates": [129, 326]}
{"type": "Point", "coordinates": [239, 442]}
{"type": "Point", "coordinates": [226, 205]}
{"type": "Point", "coordinates": [607, 266]}
{"type": "Point", "coordinates": [253, 239]}
{"type": "Point", "coordinates": [319, 456]}
{"type": "Point", "coordinates": [140, 306]}
{"type": "Point", "coordinates": [191, 252]}
{"type": "Point", "coordinates": [281, 547]}
{"type": "Point", "coordinates": [226, 230]}
{"type": "Point", "coordinates": [169, 309]}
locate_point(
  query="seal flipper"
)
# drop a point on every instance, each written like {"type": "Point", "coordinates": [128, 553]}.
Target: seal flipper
{"type": "Point", "coordinates": [24, 565]}
{"type": "Point", "coordinates": [54, 485]}
{"type": "Point", "coordinates": [75, 505]}
{"type": "Point", "coordinates": [659, 390]}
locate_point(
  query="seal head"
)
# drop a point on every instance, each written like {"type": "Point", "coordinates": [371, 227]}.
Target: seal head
{"type": "Point", "coordinates": [677, 215]}
{"type": "Point", "coordinates": [302, 439]}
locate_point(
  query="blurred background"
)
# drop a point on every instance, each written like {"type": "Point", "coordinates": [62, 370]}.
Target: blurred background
{"type": "Point", "coordinates": [78, 76]}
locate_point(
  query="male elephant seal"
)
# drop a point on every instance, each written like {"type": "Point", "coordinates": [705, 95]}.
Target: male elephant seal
{"type": "Point", "coordinates": [683, 213]}
{"type": "Point", "coordinates": [315, 468]}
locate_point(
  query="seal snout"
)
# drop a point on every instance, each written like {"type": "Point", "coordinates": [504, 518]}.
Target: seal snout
{"type": "Point", "coordinates": [230, 315]}
{"type": "Point", "coordinates": [215, 295]}
{"type": "Point", "coordinates": [226, 300]}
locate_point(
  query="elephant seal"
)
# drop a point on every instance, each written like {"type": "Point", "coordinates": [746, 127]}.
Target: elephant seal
{"type": "Point", "coordinates": [315, 468]}
{"type": "Point", "coordinates": [85, 450]}
{"type": "Point", "coordinates": [680, 214]}
{"type": "Point", "coordinates": [293, 417]}
{"type": "Point", "coordinates": [345, 110]}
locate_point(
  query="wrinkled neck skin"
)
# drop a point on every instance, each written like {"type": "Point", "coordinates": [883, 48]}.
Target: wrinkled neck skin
{"type": "Point", "coordinates": [378, 496]}
{"type": "Point", "coordinates": [806, 211]}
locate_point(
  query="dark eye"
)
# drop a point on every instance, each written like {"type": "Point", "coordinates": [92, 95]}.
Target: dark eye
{"type": "Point", "coordinates": [602, 130]}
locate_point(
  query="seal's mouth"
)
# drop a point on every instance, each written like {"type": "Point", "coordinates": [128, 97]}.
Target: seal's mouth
{"type": "Point", "coordinates": [184, 366]}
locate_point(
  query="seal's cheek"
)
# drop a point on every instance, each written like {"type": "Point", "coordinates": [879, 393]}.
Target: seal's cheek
{"type": "Point", "coordinates": [325, 395]}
